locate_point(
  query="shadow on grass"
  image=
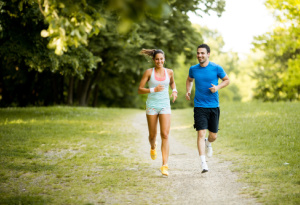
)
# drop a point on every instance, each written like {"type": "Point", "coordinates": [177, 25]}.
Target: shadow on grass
{"type": "Point", "coordinates": [32, 167]}
{"type": "Point", "coordinates": [22, 169]}
{"type": "Point", "coordinates": [25, 199]}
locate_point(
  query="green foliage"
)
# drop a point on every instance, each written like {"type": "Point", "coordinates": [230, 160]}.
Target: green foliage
{"type": "Point", "coordinates": [96, 47]}
{"type": "Point", "coordinates": [230, 93]}
{"type": "Point", "coordinates": [278, 72]}
{"type": "Point", "coordinates": [289, 9]}
{"type": "Point", "coordinates": [180, 75]}
{"type": "Point", "coordinates": [23, 47]}
{"type": "Point", "coordinates": [73, 23]}
{"type": "Point", "coordinates": [70, 23]}
{"type": "Point", "coordinates": [243, 80]}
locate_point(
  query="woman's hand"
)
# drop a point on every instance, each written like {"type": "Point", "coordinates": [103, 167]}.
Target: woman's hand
{"type": "Point", "coordinates": [159, 88]}
{"type": "Point", "coordinates": [174, 95]}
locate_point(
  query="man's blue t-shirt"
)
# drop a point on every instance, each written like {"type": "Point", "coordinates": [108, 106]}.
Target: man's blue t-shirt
{"type": "Point", "coordinates": [204, 77]}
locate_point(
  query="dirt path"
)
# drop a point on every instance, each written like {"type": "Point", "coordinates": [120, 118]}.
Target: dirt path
{"type": "Point", "coordinates": [186, 184]}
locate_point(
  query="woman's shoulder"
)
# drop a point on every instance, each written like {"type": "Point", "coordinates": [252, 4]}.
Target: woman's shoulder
{"type": "Point", "coordinates": [148, 71]}
{"type": "Point", "coordinates": [170, 71]}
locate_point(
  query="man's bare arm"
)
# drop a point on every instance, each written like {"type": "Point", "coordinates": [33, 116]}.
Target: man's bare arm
{"type": "Point", "coordinates": [189, 86]}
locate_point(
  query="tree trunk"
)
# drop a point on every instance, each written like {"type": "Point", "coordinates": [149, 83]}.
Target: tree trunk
{"type": "Point", "coordinates": [95, 100]}
{"type": "Point", "coordinates": [54, 89]}
{"type": "Point", "coordinates": [84, 91]}
{"type": "Point", "coordinates": [85, 87]}
{"type": "Point", "coordinates": [62, 98]}
{"type": "Point", "coordinates": [2, 88]}
{"type": "Point", "coordinates": [91, 83]}
{"type": "Point", "coordinates": [89, 92]}
{"type": "Point", "coordinates": [94, 81]}
{"type": "Point", "coordinates": [70, 91]}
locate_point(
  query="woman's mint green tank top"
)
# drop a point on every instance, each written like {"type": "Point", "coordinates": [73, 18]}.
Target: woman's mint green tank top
{"type": "Point", "coordinates": [158, 99]}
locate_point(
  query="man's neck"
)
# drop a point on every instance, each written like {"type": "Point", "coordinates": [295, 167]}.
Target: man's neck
{"type": "Point", "coordinates": [204, 64]}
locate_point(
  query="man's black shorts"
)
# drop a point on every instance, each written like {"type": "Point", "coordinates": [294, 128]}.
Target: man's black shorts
{"type": "Point", "coordinates": [206, 118]}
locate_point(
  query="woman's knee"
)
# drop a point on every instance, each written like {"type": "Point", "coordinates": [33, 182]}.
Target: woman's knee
{"type": "Point", "coordinates": [164, 135]}
{"type": "Point", "coordinates": [152, 135]}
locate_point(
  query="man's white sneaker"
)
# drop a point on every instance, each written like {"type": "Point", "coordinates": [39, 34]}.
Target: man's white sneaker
{"type": "Point", "coordinates": [209, 149]}
{"type": "Point", "coordinates": [204, 167]}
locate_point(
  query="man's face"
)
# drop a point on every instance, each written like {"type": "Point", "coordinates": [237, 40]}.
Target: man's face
{"type": "Point", "coordinates": [202, 55]}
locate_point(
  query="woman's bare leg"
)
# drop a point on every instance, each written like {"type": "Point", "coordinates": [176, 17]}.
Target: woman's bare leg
{"type": "Point", "coordinates": [165, 123]}
{"type": "Point", "coordinates": [152, 127]}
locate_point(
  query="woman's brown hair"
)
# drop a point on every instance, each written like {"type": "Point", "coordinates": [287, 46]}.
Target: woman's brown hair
{"type": "Point", "coordinates": [151, 52]}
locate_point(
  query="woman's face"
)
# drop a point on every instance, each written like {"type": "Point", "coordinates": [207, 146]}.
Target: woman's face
{"type": "Point", "coordinates": [159, 60]}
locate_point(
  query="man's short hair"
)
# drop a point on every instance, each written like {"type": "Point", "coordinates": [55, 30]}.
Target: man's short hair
{"type": "Point", "coordinates": [204, 46]}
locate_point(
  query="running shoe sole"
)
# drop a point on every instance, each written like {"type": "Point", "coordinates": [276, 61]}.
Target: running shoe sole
{"type": "Point", "coordinates": [204, 167]}
{"type": "Point", "coordinates": [204, 171]}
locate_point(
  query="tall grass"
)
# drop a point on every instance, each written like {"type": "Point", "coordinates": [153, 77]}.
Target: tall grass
{"type": "Point", "coordinates": [262, 140]}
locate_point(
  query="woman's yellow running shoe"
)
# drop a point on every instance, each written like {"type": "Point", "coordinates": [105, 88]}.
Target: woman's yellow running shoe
{"type": "Point", "coordinates": [153, 152]}
{"type": "Point", "coordinates": [164, 170]}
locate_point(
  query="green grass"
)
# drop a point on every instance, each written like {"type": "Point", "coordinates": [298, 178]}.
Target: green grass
{"type": "Point", "coordinates": [64, 155]}
{"type": "Point", "coordinates": [68, 155]}
{"type": "Point", "coordinates": [262, 140]}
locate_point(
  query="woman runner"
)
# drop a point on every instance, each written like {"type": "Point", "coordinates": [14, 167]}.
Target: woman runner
{"type": "Point", "coordinates": [158, 103]}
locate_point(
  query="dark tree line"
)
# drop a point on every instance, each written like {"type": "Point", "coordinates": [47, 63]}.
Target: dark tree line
{"type": "Point", "coordinates": [87, 54]}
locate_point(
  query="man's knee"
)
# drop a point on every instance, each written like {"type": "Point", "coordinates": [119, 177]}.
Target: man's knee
{"type": "Point", "coordinates": [212, 137]}
{"type": "Point", "coordinates": [201, 133]}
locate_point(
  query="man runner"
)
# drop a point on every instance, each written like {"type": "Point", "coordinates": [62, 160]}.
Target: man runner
{"type": "Point", "coordinates": [206, 103]}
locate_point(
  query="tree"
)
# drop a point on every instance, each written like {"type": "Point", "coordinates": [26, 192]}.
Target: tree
{"type": "Point", "coordinates": [73, 23]}
{"type": "Point", "coordinates": [278, 72]}
{"type": "Point", "coordinates": [23, 52]}
{"type": "Point", "coordinates": [90, 66]}
{"type": "Point", "coordinates": [174, 34]}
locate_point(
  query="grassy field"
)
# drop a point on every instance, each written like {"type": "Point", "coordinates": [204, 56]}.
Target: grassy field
{"type": "Point", "coordinates": [66, 155]}
{"type": "Point", "coordinates": [262, 140]}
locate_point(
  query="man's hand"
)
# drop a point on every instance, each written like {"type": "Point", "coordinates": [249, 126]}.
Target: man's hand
{"type": "Point", "coordinates": [213, 89]}
{"type": "Point", "coordinates": [187, 96]}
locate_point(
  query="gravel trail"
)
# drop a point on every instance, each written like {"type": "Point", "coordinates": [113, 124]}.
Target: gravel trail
{"type": "Point", "coordinates": [186, 184]}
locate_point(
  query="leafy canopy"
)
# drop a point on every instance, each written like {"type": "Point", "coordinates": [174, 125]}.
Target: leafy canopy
{"type": "Point", "coordinates": [278, 72]}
